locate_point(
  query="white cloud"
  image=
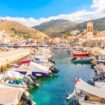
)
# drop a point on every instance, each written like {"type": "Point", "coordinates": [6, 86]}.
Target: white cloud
{"type": "Point", "coordinates": [97, 11]}
{"type": "Point", "coordinates": [98, 4]}
{"type": "Point", "coordinates": [26, 21]}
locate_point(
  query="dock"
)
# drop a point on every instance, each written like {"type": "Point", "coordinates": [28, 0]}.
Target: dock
{"type": "Point", "coordinates": [8, 57]}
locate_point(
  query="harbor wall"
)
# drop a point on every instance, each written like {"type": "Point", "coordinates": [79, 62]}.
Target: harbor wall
{"type": "Point", "coordinates": [8, 57]}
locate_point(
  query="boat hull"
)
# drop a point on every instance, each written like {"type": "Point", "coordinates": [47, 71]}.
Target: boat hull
{"type": "Point", "coordinates": [37, 74]}
{"type": "Point", "coordinates": [82, 61]}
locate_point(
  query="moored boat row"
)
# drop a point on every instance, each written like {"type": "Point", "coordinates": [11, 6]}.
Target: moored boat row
{"type": "Point", "coordinates": [23, 76]}
{"type": "Point", "coordinates": [89, 92]}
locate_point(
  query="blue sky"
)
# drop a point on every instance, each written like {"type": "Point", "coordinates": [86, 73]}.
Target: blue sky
{"type": "Point", "coordinates": [41, 8]}
{"type": "Point", "coordinates": [35, 12]}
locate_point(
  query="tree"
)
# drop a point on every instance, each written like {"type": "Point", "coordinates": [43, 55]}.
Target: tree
{"type": "Point", "coordinates": [27, 36]}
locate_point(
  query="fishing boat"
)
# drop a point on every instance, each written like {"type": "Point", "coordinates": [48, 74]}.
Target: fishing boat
{"type": "Point", "coordinates": [15, 79]}
{"type": "Point", "coordinates": [88, 94]}
{"type": "Point", "coordinates": [91, 94]}
{"type": "Point", "coordinates": [13, 96]}
{"type": "Point", "coordinates": [81, 54]}
{"type": "Point", "coordinates": [43, 58]}
{"type": "Point", "coordinates": [81, 57]}
{"type": "Point", "coordinates": [101, 59]}
{"type": "Point", "coordinates": [100, 68]}
{"type": "Point", "coordinates": [34, 69]}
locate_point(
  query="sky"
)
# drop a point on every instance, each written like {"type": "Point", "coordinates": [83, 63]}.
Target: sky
{"type": "Point", "coordinates": [35, 12]}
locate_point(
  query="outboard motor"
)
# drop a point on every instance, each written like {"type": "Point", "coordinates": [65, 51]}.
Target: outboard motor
{"type": "Point", "coordinates": [99, 77]}
{"type": "Point", "coordinates": [29, 82]}
{"type": "Point", "coordinates": [91, 82]}
{"type": "Point", "coordinates": [26, 99]}
{"type": "Point", "coordinates": [53, 69]}
{"type": "Point", "coordinates": [92, 66]}
{"type": "Point", "coordinates": [74, 58]}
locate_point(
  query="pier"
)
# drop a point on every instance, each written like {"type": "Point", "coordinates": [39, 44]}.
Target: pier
{"type": "Point", "coordinates": [8, 57]}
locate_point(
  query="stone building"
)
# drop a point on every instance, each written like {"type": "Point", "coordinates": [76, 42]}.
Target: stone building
{"type": "Point", "coordinates": [90, 30]}
{"type": "Point", "coordinates": [90, 27]}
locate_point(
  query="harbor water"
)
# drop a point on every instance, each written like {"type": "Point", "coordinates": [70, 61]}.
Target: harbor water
{"type": "Point", "coordinates": [53, 90]}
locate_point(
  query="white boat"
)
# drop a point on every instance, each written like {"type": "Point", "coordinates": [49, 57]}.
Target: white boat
{"type": "Point", "coordinates": [42, 57]}
{"type": "Point", "coordinates": [14, 79]}
{"type": "Point", "coordinates": [34, 69]}
{"type": "Point", "coordinates": [100, 68]}
{"type": "Point", "coordinates": [10, 95]}
{"type": "Point", "coordinates": [91, 95]}
{"type": "Point", "coordinates": [101, 59]}
{"type": "Point", "coordinates": [82, 59]}
{"type": "Point", "coordinates": [49, 65]}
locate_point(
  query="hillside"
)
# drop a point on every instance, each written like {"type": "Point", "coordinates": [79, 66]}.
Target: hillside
{"type": "Point", "coordinates": [61, 27]}
{"type": "Point", "coordinates": [99, 24]}
{"type": "Point", "coordinates": [15, 28]}
{"type": "Point", "coordinates": [56, 27]}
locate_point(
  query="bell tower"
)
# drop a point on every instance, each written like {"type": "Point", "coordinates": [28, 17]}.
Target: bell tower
{"type": "Point", "coordinates": [90, 29]}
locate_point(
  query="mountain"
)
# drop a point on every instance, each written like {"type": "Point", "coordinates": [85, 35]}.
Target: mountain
{"type": "Point", "coordinates": [99, 24]}
{"type": "Point", "coordinates": [56, 27]}
{"type": "Point", "coordinates": [14, 28]}
{"type": "Point", "coordinates": [61, 27]}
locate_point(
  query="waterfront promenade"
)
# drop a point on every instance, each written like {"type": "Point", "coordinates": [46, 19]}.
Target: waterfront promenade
{"type": "Point", "coordinates": [7, 57]}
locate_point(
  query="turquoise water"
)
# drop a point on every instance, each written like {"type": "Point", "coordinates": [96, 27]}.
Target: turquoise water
{"type": "Point", "coordinates": [53, 90]}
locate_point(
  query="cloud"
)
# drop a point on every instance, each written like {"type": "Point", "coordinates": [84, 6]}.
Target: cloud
{"type": "Point", "coordinates": [98, 4]}
{"type": "Point", "coordinates": [97, 10]}
{"type": "Point", "coordinates": [25, 21]}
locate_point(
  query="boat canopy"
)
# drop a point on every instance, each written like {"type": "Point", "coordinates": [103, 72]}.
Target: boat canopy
{"type": "Point", "coordinates": [34, 67]}
{"type": "Point", "coordinates": [39, 67]}
{"type": "Point", "coordinates": [82, 85]}
{"type": "Point", "coordinates": [81, 54]}
{"type": "Point", "coordinates": [10, 95]}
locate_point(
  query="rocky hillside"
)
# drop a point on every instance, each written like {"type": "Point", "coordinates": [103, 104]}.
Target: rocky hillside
{"type": "Point", "coordinates": [56, 27]}
{"type": "Point", "coordinates": [14, 28]}
{"type": "Point", "coordinates": [61, 27]}
{"type": "Point", "coordinates": [99, 24]}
